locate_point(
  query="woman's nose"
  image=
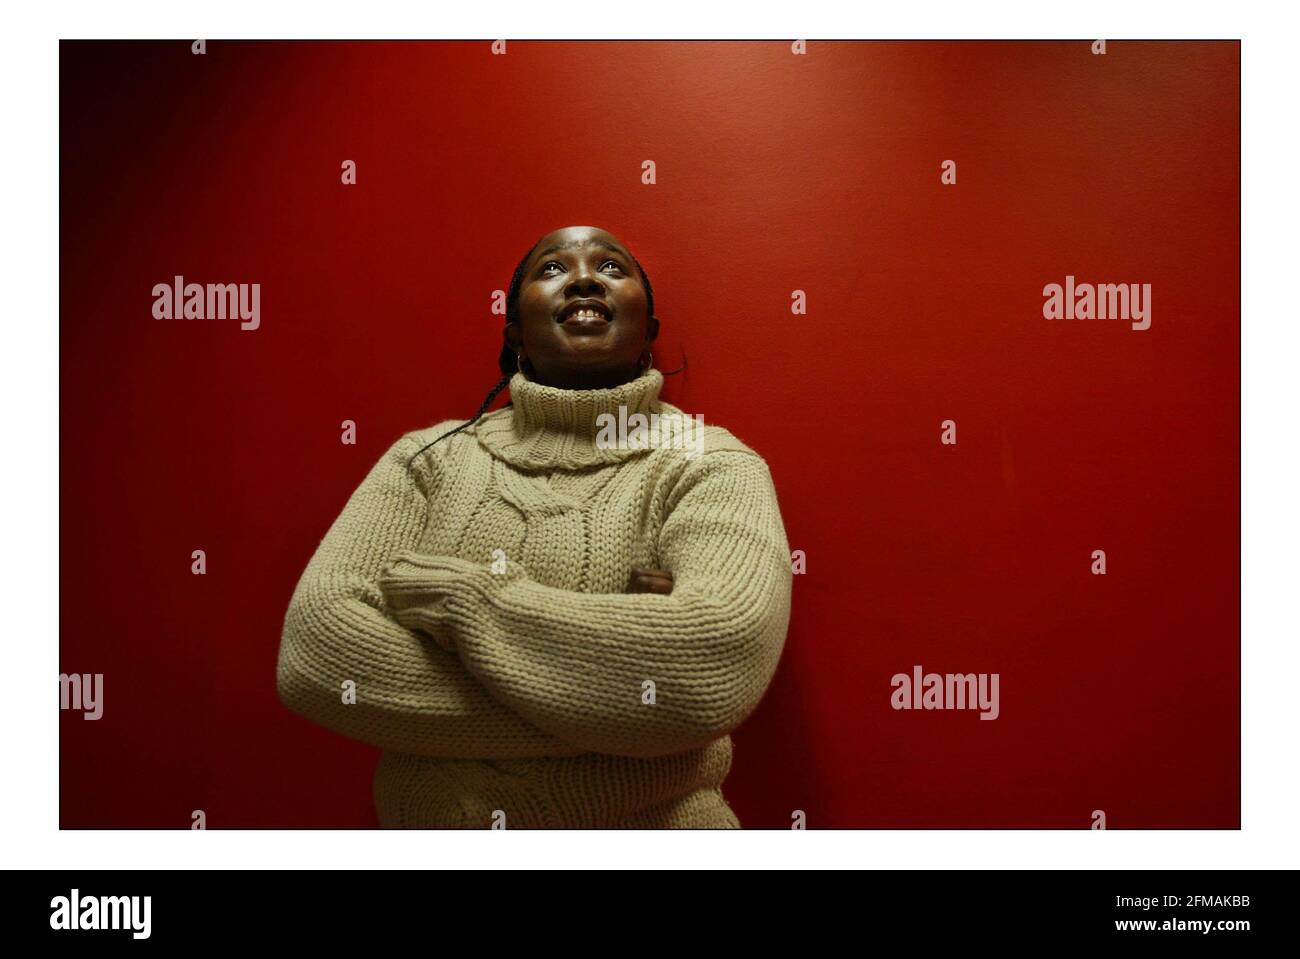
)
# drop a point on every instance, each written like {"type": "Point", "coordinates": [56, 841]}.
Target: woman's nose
{"type": "Point", "coordinates": [583, 280]}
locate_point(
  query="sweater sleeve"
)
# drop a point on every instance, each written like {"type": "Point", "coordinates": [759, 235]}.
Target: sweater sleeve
{"type": "Point", "coordinates": [581, 665]}
{"type": "Point", "coordinates": [410, 695]}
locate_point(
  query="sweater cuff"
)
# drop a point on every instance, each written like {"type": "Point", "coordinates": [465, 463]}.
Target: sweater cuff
{"type": "Point", "coordinates": [414, 579]}
{"type": "Point", "coordinates": [424, 591]}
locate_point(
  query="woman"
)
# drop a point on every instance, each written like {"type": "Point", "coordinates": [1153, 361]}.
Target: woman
{"type": "Point", "coordinates": [544, 628]}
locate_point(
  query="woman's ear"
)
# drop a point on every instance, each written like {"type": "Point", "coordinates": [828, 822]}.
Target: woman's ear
{"type": "Point", "coordinates": [513, 339]}
{"type": "Point", "coordinates": [651, 328]}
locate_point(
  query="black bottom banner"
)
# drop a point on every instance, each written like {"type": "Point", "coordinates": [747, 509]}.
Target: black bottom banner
{"type": "Point", "coordinates": [1219, 910]}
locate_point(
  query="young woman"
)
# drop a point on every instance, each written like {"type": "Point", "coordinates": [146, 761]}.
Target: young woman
{"type": "Point", "coordinates": [543, 628]}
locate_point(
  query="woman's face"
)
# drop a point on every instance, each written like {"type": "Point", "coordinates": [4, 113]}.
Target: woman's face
{"type": "Point", "coordinates": [582, 312]}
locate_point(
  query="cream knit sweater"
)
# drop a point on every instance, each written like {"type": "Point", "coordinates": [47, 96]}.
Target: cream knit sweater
{"type": "Point", "coordinates": [478, 602]}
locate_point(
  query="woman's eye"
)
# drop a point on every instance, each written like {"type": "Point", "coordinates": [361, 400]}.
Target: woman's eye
{"type": "Point", "coordinates": [552, 263]}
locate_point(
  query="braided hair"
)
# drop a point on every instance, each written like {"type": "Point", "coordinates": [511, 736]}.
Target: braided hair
{"type": "Point", "coordinates": [507, 362]}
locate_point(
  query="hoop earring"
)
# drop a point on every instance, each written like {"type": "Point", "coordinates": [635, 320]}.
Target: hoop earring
{"type": "Point", "coordinates": [648, 363]}
{"type": "Point", "coordinates": [519, 363]}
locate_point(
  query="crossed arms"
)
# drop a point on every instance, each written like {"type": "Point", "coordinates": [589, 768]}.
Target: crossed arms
{"type": "Point", "coordinates": [453, 660]}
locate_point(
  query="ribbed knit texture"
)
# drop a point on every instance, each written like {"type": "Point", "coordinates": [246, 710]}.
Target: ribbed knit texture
{"type": "Point", "coordinates": [524, 690]}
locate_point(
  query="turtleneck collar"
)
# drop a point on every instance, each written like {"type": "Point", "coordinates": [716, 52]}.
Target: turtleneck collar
{"type": "Point", "coordinates": [550, 428]}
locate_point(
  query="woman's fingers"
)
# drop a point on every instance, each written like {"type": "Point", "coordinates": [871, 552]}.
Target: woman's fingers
{"type": "Point", "coordinates": [650, 584]}
{"type": "Point", "coordinates": [651, 581]}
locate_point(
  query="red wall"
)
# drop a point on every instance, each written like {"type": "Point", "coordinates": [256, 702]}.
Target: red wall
{"type": "Point", "coordinates": [775, 173]}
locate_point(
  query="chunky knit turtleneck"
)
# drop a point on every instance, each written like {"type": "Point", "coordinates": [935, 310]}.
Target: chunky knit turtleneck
{"type": "Point", "coordinates": [550, 428]}
{"type": "Point", "coordinates": [470, 615]}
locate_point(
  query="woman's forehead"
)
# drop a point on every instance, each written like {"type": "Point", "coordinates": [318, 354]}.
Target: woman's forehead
{"type": "Point", "coordinates": [565, 239]}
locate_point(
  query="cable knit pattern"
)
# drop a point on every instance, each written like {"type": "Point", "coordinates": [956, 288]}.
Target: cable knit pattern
{"type": "Point", "coordinates": [478, 600]}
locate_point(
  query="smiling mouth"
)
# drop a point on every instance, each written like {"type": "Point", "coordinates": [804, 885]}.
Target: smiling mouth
{"type": "Point", "coordinates": [585, 315]}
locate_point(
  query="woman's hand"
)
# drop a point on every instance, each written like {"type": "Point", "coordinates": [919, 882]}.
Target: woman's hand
{"type": "Point", "coordinates": [650, 581]}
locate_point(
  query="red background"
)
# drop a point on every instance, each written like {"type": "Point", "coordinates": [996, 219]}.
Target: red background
{"type": "Point", "coordinates": [775, 173]}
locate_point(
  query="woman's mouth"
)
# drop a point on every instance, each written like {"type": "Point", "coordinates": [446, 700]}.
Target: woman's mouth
{"type": "Point", "coordinates": [593, 317]}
